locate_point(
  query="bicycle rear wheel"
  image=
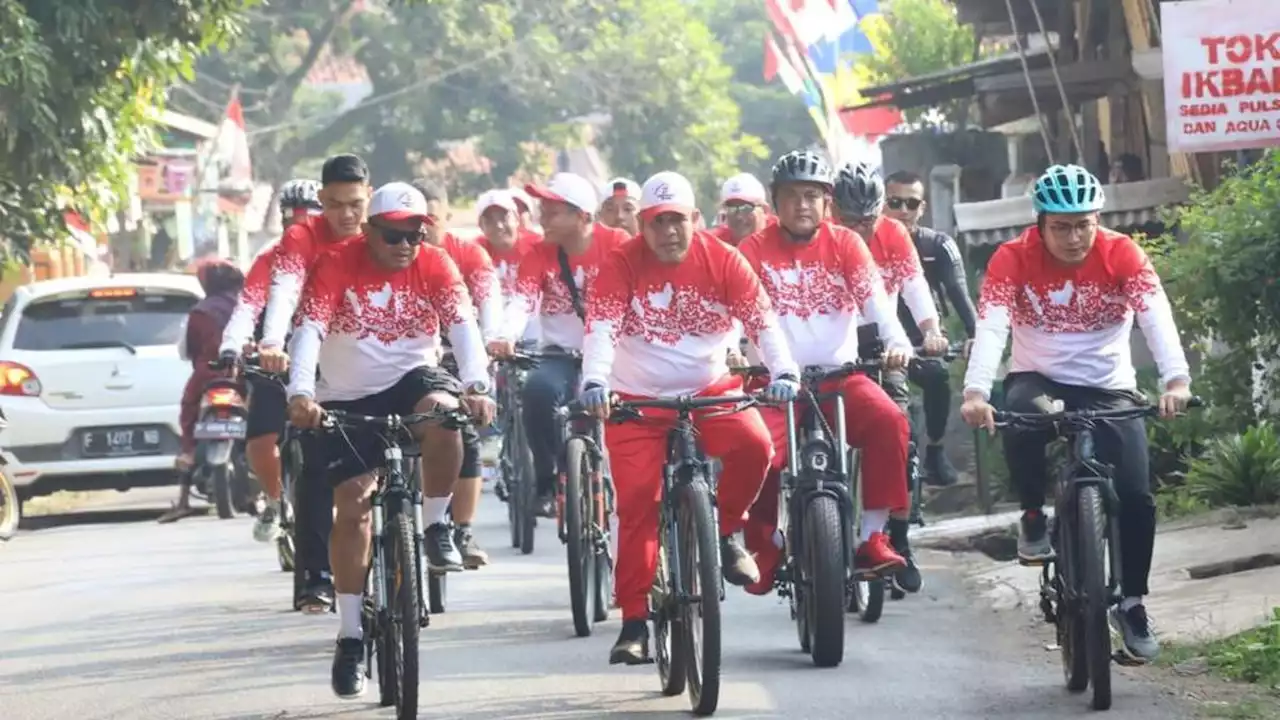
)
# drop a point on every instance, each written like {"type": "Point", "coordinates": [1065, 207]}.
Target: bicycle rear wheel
{"type": "Point", "coordinates": [699, 551]}
{"type": "Point", "coordinates": [1094, 599]}
{"type": "Point", "coordinates": [578, 540]}
{"type": "Point", "coordinates": [602, 588]}
{"type": "Point", "coordinates": [398, 643]}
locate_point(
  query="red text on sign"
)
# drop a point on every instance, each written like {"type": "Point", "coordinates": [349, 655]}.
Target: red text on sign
{"type": "Point", "coordinates": [1239, 49]}
{"type": "Point", "coordinates": [1231, 82]}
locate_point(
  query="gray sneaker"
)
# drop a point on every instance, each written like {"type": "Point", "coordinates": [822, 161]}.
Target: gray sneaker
{"type": "Point", "coordinates": [1033, 538]}
{"type": "Point", "coordinates": [1134, 626]}
{"type": "Point", "coordinates": [267, 527]}
{"type": "Point", "coordinates": [442, 554]}
{"type": "Point", "coordinates": [473, 557]}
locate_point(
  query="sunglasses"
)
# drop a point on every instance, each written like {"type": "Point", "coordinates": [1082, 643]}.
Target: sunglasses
{"type": "Point", "coordinates": [400, 237]}
{"type": "Point", "coordinates": [897, 203]}
{"type": "Point", "coordinates": [739, 209]}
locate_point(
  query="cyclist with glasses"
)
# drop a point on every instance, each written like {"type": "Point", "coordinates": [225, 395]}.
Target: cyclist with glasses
{"type": "Point", "coordinates": [1071, 291]}
{"type": "Point", "coordinates": [745, 208]}
{"type": "Point", "coordinates": [371, 319]}
{"type": "Point", "coordinates": [658, 318]}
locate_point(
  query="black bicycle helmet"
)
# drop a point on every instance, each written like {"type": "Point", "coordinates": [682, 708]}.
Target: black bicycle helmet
{"type": "Point", "coordinates": [298, 195]}
{"type": "Point", "coordinates": [859, 191]}
{"type": "Point", "coordinates": [801, 166]}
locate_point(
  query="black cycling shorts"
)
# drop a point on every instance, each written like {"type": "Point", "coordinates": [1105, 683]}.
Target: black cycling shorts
{"type": "Point", "coordinates": [361, 451]}
{"type": "Point", "coordinates": [268, 408]}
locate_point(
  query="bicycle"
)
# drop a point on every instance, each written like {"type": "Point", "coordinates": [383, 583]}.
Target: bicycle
{"type": "Point", "coordinates": [688, 587]}
{"type": "Point", "coordinates": [394, 607]}
{"type": "Point", "coordinates": [585, 498]}
{"type": "Point", "coordinates": [516, 468]}
{"type": "Point", "coordinates": [1081, 582]}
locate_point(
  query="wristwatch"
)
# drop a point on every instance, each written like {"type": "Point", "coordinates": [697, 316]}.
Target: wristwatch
{"type": "Point", "coordinates": [480, 387]}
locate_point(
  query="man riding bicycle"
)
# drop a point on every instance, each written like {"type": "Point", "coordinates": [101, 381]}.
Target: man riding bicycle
{"type": "Point", "coordinates": [1071, 290]}
{"type": "Point", "coordinates": [823, 284]}
{"type": "Point", "coordinates": [745, 207]}
{"type": "Point", "coordinates": [618, 205]}
{"type": "Point", "coordinates": [859, 206]}
{"type": "Point", "coordinates": [554, 279]}
{"type": "Point", "coordinates": [658, 318]}
{"type": "Point", "coordinates": [371, 319]}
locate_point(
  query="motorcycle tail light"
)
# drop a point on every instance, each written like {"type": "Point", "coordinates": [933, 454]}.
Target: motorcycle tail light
{"type": "Point", "coordinates": [222, 397]}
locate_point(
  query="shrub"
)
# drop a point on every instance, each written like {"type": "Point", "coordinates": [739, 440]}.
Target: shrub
{"type": "Point", "coordinates": [1240, 469]}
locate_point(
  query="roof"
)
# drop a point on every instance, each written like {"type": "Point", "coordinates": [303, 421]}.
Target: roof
{"type": "Point", "coordinates": [952, 84]}
{"type": "Point", "coordinates": [188, 124]}
{"type": "Point", "coordinates": [167, 281]}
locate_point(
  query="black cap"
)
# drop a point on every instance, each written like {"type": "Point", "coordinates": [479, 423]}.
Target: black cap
{"type": "Point", "coordinates": [344, 169]}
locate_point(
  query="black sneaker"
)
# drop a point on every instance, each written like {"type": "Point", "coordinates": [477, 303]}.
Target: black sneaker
{"type": "Point", "coordinates": [317, 594]}
{"type": "Point", "coordinates": [736, 564]}
{"type": "Point", "coordinates": [1033, 537]}
{"type": "Point", "coordinates": [348, 668]}
{"type": "Point", "coordinates": [472, 556]}
{"type": "Point", "coordinates": [1134, 626]}
{"type": "Point", "coordinates": [937, 468]}
{"type": "Point", "coordinates": [632, 646]}
{"type": "Point", "coordinates": [907, 579]}
{"type": "Point", "coordinates": [442, 554]}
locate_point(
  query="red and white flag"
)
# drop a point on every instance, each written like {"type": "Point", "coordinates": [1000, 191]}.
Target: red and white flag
{"type": "Point", "coordinates": [233, 150]}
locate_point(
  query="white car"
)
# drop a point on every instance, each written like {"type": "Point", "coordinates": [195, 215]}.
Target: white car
{"type": "Point", "coordinates": [91, 381]}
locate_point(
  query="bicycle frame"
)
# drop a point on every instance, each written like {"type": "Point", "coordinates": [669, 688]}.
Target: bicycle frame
{"type": "Point", "coordinates": [601, 485]}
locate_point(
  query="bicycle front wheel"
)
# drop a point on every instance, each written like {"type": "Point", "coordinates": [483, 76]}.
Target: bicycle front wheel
{"type": "Point", "coordinates": [699, 553]}
{"type": "Point", "coordinates": [398, 643]}
{"type": "Point", "coordinates": [578, 543]}
{"type": "Point", "coordinates": [1094, 595]}
{"type": "Point", "coordinates": [824, 575]}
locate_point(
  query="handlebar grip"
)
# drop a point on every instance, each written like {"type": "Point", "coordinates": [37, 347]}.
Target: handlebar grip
{"type": "Point", "coordinates": [1196, 402]}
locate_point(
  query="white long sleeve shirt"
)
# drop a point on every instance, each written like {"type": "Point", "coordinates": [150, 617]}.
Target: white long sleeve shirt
{"type": "Point", "coordinates": [899, 263]}
{"type": "Point", "coordinates": [1072, 324]}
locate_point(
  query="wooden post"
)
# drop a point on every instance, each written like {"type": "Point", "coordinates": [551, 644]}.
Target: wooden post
{"type": "Point", "coordinates": [1139, 21]}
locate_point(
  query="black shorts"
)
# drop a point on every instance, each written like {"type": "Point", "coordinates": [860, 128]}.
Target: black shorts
{"type": "Point", "coordinates": [359, 452]}
{"type": "Point", "coordinates": [268, 408]}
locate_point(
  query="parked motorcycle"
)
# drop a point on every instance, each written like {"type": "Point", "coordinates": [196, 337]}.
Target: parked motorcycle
{"type": "Point", "coordinates": [220, 471]}
{"type": "Point", "coordinates": [10, 504]}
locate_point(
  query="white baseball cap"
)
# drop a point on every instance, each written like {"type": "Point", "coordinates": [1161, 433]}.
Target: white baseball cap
{"type": "Point", "coordinates": [570, 189]}
{"type": "Point", "coordinates": [743, 187]}
{"type": "Point", "coordinates": [399, 201]}
{"type": "Point", "coordinates": [621, 187]}
{"type": "Point", "coordinates": [667, 192]}
{"type": "Point", "coordinates": [496, 198]}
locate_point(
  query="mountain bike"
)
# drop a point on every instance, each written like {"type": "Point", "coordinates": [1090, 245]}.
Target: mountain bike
{"type": "Point", "coordinates": [1082, 581]}
{"type": "Point", "coordinates": [688, 587]}
{"type": "Point", "coordinates": [585, 498]}
{"type": "Point", "coordinates": [394, 607]}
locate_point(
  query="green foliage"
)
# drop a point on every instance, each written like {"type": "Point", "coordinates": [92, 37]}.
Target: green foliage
{"type": "Point", "coordinates": [1221, 280]}
{"type": "Point", "coordinates": [913, 38]}
{"type": "Point", "coordinates": [1252, 656]}
{"type": "Point", "coordinates": [1239, 469]}
{"type": "Point", "coordinates": [78, 93]}
{"type": "Point", "coordinates": [516, 75]}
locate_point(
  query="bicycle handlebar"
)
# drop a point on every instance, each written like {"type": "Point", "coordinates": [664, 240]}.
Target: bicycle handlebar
{"type": "Point", "coordinates": [334, 419]}
{"type": "Point", "coordinates": [530, 358]}
{"type": "Point", "coordinates": [816, 373]}
{"type": "Point", "coordinates": [1033, 421]}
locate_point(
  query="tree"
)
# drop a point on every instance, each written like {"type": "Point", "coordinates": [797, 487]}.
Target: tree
{"type": "Point", "coordinates": [769, 111]}
{"type": "Point", "coordinates": [916, 37]}
{"type": "Point", "coordinates": [496, 73]}
{"type": "Point", "coordinates": [79, 84]}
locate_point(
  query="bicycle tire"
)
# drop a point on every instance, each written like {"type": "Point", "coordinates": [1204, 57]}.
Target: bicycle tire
{"type": "Point", "coordinates": [511, 474]}
{"type": "Point", "coordinates": [700, 573]}
{"type": "Point", "coordinates": [668, 627]}
{"type": "Point", "coordinates": [10, 508]}
{"type": "Point", "coordinates": [578, 542]}
{"type": "Point", "coordinates": [1095, 600]}
{"type": "Point", "coordinates": [1069, 625]}
{"type": "Point", "coordinates": [528, 492]}
{"type": "Point", "coordinates": [402, 631]}
{"type": "Point", "coordinates": [220, 484]}
{"type": "Point", "coordinates": [824, 571]}
{"type": "Point", "coordinates": [602, 588]}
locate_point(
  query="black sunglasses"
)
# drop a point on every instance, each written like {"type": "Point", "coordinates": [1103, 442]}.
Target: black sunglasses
{"type": "Point", "coordinates": [897, 203]}
{"type": "Point", "coordinates": [399, 237]}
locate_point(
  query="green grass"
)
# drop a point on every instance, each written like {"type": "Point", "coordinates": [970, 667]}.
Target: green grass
{"type": "Point", "coordinates": [1251, 657]}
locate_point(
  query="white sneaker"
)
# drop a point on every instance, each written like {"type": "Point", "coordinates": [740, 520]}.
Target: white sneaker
{"type": "Point", "coordinates": [267, 527]}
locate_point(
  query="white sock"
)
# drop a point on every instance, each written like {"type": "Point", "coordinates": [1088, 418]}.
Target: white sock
{"type": "Point", "coordinates": [1129, 603]}
{"type": "Point", "coordinates": [435, 509]}
{"type": "Point", "coordinates": [350, 610]}
{"type": "Point", "coordinates": [873, 521]}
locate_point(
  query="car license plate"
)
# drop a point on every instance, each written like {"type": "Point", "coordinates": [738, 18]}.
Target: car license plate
{"type": "Point", "coordinates": [232, 429]}
{"type": "Point", "coordinates": [116, 442]}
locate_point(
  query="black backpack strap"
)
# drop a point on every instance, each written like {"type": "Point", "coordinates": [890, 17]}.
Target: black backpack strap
{"type": "Point", "coordinates": [566, 276]}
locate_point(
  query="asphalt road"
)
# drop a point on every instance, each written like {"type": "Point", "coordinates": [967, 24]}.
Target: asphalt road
{"type": "Point", "coordinates": [137, 621]}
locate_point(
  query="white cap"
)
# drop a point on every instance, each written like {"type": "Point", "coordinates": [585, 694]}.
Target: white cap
{"type": "Point", "coordinates": [620, 187]}
{"type": "Point", "coordinates": [399, 201]}
{"type": "Point", "coordinates": [521, 198]}
{"type": "Point", "coordinates": [744, 187]}
{"type": "Point", "coordinates": [496, 198]}
{"type": "Point", "coordinates": [667, 192]}
{"type": "Point", "coordinates": [568, 188]}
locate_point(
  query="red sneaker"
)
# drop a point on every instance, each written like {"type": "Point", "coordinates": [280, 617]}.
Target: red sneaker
{"type": "Point", "coordinates": [759, 542]}
{"type": "Point", "coordinates": [878, 557]}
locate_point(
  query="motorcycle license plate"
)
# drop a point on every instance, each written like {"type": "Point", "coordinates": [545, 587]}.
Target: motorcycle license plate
{"type": "Point", "coordinates": [231, 429]}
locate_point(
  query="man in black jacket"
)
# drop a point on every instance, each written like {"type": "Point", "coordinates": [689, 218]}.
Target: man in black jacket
{"type": "Point", "coordinates": [944, 270]}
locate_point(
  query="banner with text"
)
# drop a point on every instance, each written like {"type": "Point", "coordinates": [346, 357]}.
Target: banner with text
{"type": "Point", "coordinates": [1221, 74]}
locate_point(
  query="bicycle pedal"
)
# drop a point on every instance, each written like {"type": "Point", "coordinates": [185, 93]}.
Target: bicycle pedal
{"type": "Point", "coordinates": [1033, 562]}
{"type": "Point", "coordinates": [1124, 659]}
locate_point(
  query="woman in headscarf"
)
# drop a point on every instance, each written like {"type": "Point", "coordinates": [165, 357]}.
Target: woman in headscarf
{"type": "Point", "coordinates": [222, 282]}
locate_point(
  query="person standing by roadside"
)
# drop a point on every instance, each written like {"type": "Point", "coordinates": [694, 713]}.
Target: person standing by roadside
{"type": "Point", "coordinates": [945, 273]}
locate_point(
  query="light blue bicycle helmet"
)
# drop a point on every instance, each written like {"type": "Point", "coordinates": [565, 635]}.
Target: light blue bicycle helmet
{"type": "Point", "coordinates": [1067, 189]}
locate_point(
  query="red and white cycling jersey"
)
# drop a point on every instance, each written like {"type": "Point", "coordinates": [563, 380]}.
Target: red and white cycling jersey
{"type": "Point", "coordinates": [301, 247]}
{"type": "Point", "coordinates": [366, 327]}
{"type": "Point", "coordinates": [658, 329]}
{"type": "Point", "coordinates": [822, 290]}
{"type": "Point", "coordinates": [899, 263]}
{"type": "Point", "coordinates": [253, 299]}
{"type": "Point", "coordinates": [481, 279]}
{"type": "Point", "coordinates": [539, 288]}
{"type": "Point", "coordinates": [1072, 324]}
